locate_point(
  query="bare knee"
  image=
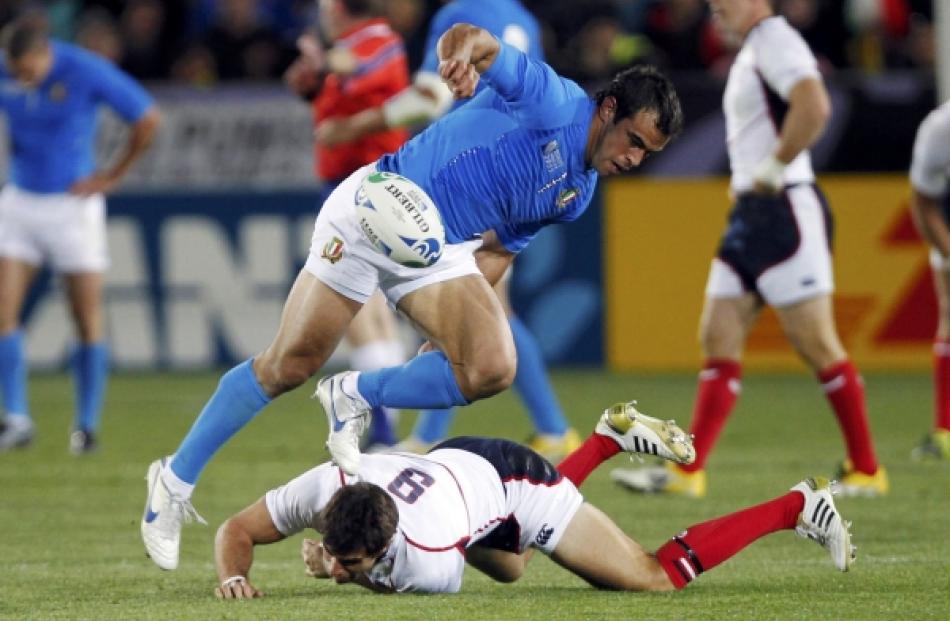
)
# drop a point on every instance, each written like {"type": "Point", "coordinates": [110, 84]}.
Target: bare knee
{"type": "Point", "coordinates": [486, 376]}
{"type": "Point", "coordinates": [508, 573]}
{"type": "Point", "coordinates": [718, 341]}
{"type": "Point", "coordinates": [278, 374]}
{"type": "Point", "coordinates": [651, 578]}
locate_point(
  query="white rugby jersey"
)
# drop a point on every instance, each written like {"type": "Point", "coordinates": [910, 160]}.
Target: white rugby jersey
{"type": "Point", "coordinates": [447, 500]}
{"type": "Point", "coordinates": [773, 58]}
{"type": "Point", "coordinates": [930, 166]}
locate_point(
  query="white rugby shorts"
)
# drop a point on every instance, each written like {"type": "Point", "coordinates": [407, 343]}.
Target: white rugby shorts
{"type": "Point", "coordinates": [342, 258]}
{"type": "Point", "coordinates": [65, 230]}
{"type": "Point", "coordinates": [806, 273]}
{"type": "Point", "coordinates": [542, 510]}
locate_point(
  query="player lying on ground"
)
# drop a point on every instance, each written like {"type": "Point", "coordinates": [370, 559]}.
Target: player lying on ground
{"type": "Point", "coordinates": [409, 523]}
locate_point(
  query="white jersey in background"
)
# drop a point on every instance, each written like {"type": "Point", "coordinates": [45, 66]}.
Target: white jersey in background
{"type": "Point", "coordinates": [773, 59]}
{"type": "Point", "coordinates": [447, 500]}
{"type": "Point", "coordinates": [930, 167]}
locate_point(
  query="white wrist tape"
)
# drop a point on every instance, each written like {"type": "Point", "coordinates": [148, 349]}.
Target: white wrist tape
{"type": "Point", "coordinates": [232, 581]}
{"type": "Point", "coordinates": [769, 172]}
{"type": "Point", "coordinates": [426, 100]}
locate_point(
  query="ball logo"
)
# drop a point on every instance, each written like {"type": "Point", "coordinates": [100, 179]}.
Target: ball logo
{"type": "Point", "coordinates": [429, 250]}
{"type": "Point", "coordinates": [399, 219]}
{"type": "Point", "coordinates": [409, 205]}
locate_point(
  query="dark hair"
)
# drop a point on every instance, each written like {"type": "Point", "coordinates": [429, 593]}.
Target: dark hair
{"type": "Point", "coordinates": [643, 87]}
{"type": "Point", "coordinates": [23, 35]}
{"type": "Point", "coordinates": [359, 518]}
{"type": "Point", "coordinates": [361, 8]}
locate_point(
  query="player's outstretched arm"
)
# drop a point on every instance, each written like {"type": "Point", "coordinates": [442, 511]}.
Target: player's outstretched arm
{"type": "Point", "coordinates": [465, 52]}
{"type": "Point", "coordinates": [141, 134]}
{"type": "Point", "coordinates": [234, 550]}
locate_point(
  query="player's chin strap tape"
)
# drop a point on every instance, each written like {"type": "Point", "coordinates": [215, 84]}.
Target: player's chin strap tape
{"type": "Point", "coordinates": [426, 100]}
{"type": "Point", "coordinates": [232, 581]}
{"type": "Point", "coordinates": [693, 559]}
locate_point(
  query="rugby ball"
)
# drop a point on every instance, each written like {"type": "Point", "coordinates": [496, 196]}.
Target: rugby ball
{"type": "Point", "coordinates": [399, 219]}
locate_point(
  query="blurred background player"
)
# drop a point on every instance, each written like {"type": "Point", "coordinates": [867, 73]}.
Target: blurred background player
{"type": "Point", "coordinates": [424, 102]}
{"type": "Point", "coordinates": [365, 66]}
{"type": "Point", "coordinates": [52, 209]}
{"type": "Point", "coordinates": [930, 204]}
{"type": "Point", "coordinates": [776, 250]}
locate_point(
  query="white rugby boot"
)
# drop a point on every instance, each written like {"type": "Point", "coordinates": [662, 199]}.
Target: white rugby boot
{"type": "Point", "coordinates": [638, 433]}
{"type": "Point", "coordinates": [15, 432]}
{"type": "Point", "coordinates": [163, 517]}
{"type": "Point", "coordinates": [821, 522]}
{"type": "Point", "coordinates": [348, 416]}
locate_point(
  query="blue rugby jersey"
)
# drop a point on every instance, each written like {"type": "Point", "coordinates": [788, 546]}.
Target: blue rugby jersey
{"type": "Point", "coordinates": [508, 20]}
{"type": "Point", "coordinates": [52, 127]}
{"type": "Point", "coordinates": [511, 160]}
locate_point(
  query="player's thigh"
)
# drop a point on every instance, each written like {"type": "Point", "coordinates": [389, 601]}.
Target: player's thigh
{"type": "Point", "coordinates": [810, 327]}
{"type": "Point", "coordinates": [503, 291]}
{"type": "Point", "coordinates": [462, 317]}
{"type": "Point", "coordinates": [16, 276]}
{"type": "Point", "coordinates": [594, 548]}
{"type": "Point", "coordinates": [497, 564]}
{"type": "Point", "coordinates": [84, 290]}
{"type": "Point", "coordinates": [725, 323]}
{"type": "Point", "coordinates": [374, 322]}
{"type": "Point", "coordinates": [313, 321]}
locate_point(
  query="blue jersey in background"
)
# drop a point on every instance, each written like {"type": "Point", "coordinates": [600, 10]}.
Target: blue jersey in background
{"type": "Point", "coordinates": [512, 159]}
{"type": "Point", "coordinates": [52, 127]}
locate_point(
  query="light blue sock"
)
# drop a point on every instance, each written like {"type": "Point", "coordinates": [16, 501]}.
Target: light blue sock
{"type": "Point", "coordinates": [13, 373]}
{"type": "Point", "coordinates": [426, 381]}
{"type": "Point", "coordinates": [237, 400]}
{"type": "Point", "coordinates": [532, 384]}
{"type": "Point", "coordinates": [90, 365]}
{"type": "Point", "coordinates": [433, 425]}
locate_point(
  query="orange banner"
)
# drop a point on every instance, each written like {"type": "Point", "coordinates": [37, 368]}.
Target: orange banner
{"type": "Point", "coordinates": [661, 235]}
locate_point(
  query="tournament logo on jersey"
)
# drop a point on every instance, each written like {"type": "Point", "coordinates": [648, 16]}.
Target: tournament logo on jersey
{"type": "Point", "coordinates": [551, 153]}
{"type": "Point", "coordinates": [333, 251]}
{"type": "Point", "coordinates": [57, 91]}
{"type": "Point", "coordinates": [566, 197]}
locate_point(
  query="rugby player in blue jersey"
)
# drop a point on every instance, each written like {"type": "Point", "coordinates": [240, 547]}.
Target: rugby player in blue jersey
{"type": "Point", "coordinates": [52, 207]}
{"type": "Point", "coordinates": [525, 153]}
{"type": "Point", "coordinates": [425, 101]}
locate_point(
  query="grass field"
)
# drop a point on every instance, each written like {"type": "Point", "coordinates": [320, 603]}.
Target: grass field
{"type": "Point", "coordinates": [70, 547]}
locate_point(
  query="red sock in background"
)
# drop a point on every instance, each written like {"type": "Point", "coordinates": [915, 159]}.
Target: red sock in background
{"type": "Point", "coordinates": [942, 384]}
{"type": "Point", "coordinates": [843, 387]}
{"type": "Point", "coordinates": [701, 547]}
{"type": "Point", "coordinates": [596, 450]}
{"type": "Point", "coordinates": [719, 386]}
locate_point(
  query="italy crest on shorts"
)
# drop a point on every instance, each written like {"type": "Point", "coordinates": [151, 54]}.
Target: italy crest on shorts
{"type": "Point", "coordinates": [333, 250]}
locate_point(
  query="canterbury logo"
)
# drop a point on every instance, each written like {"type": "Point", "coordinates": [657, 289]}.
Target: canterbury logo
{"type": "Point", "coordinates": [544, 535]}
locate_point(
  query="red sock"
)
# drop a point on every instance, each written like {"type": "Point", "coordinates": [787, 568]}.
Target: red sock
{"type": "Point", "coordinates": [701, 547]}
{"type": "Point", "coordinates": [942, 384]}
{"type": "Point", "coordinates": [594, 451]}
{"type": "Point", "coordinates": [843, 387]}
{"type": "Point", "coordinates": [716, 395]}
